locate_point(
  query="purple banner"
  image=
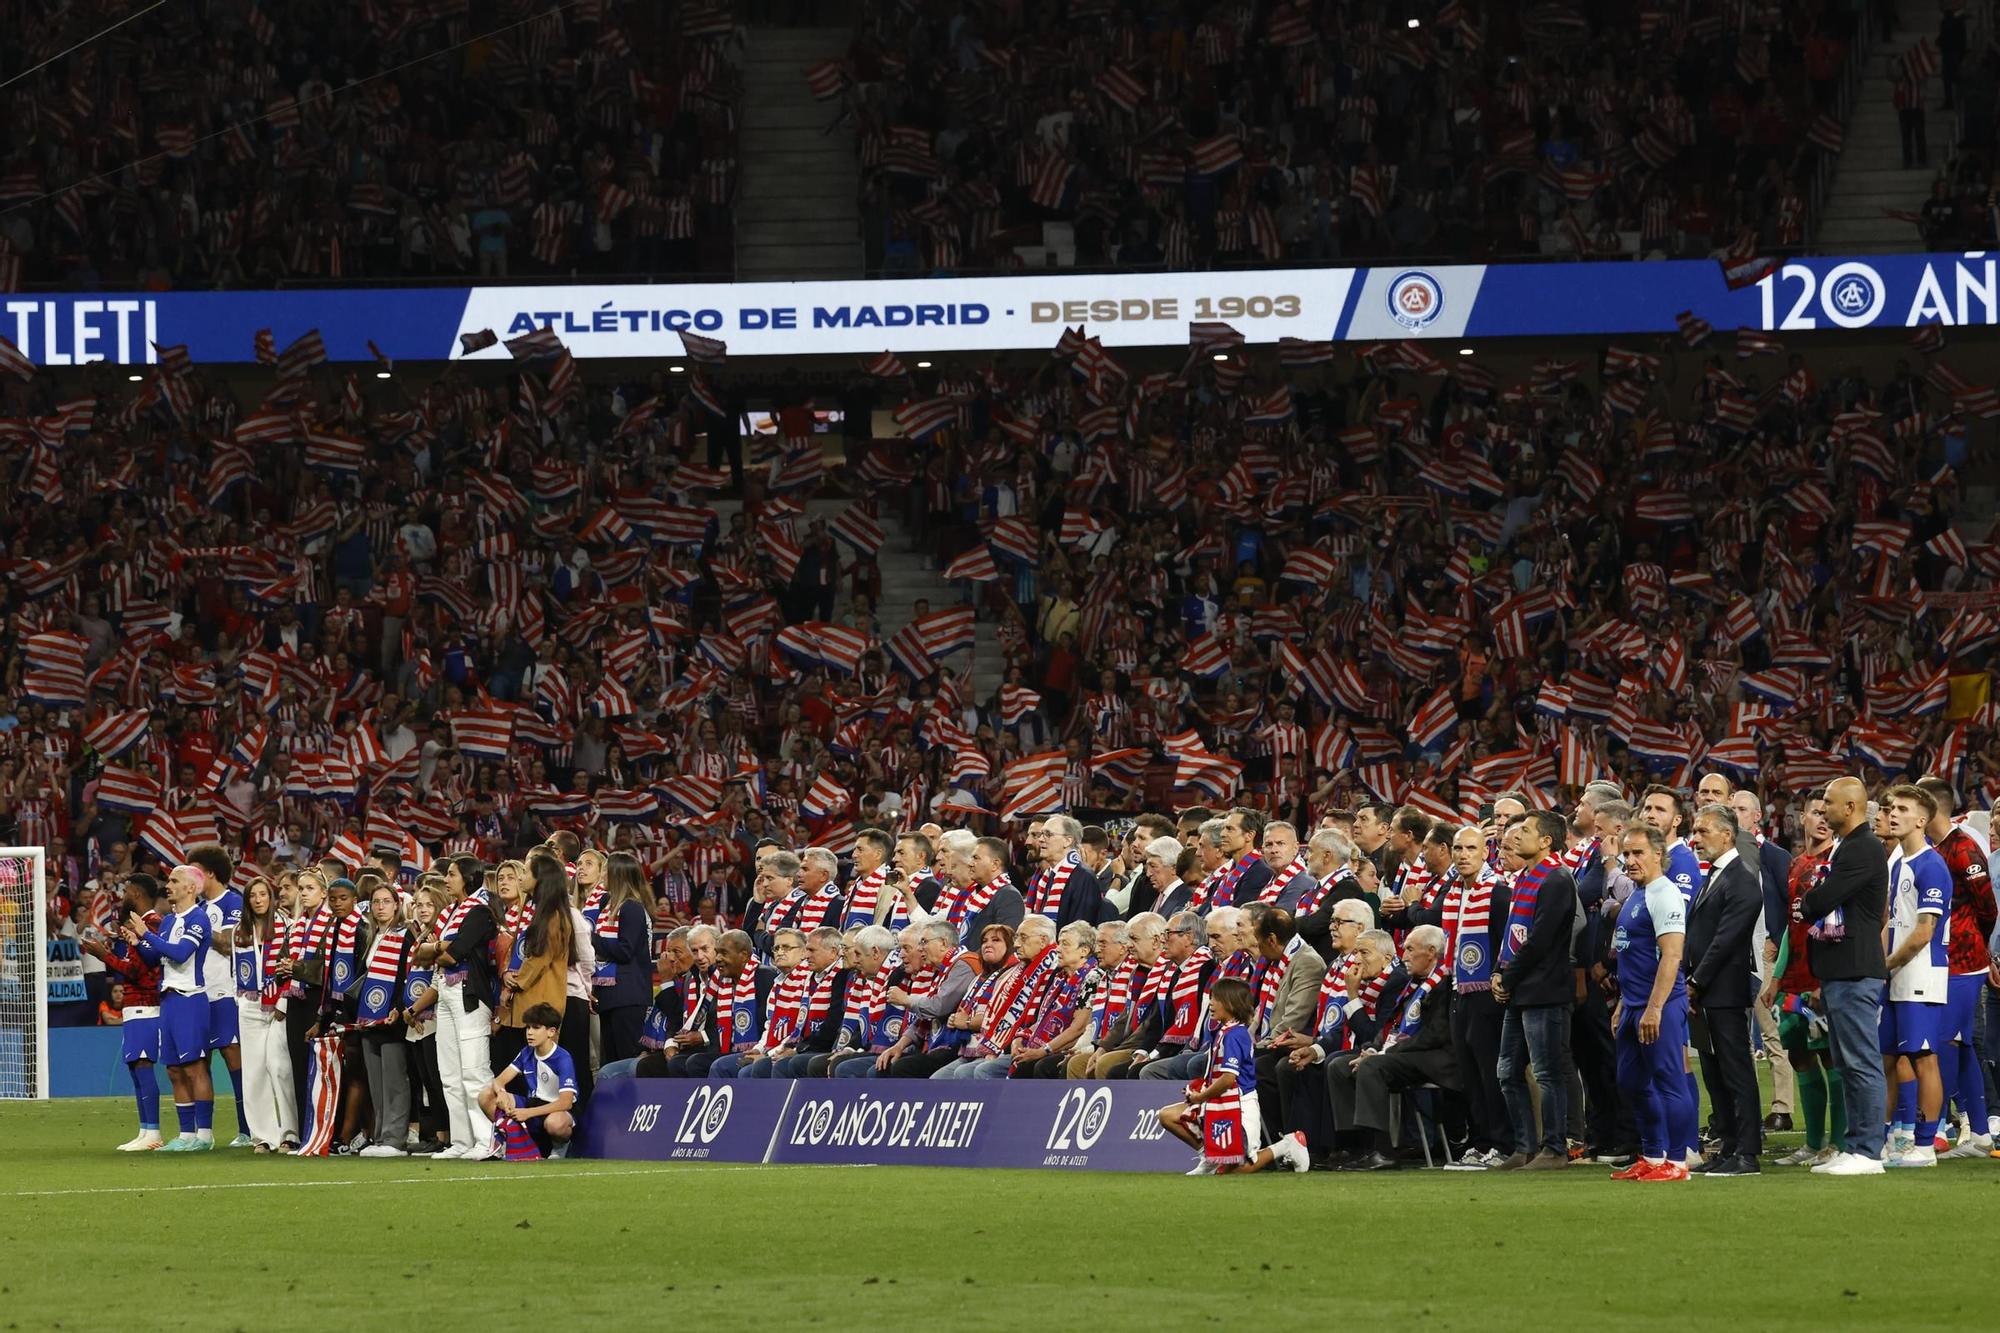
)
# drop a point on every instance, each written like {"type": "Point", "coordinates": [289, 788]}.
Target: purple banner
{"type": "Point", "coordinates": [1081, 1126]}
{"type": "Point", "coordinates": [683, 1119]}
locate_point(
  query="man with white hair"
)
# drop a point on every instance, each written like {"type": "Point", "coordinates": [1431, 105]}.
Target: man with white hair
{"type": "Point", "coordinates": [777, 875]}
{"type": "Point", "coordinates": [1774, 868]}
{"type": "Point", "coordinates": [1126, 1000]}
{"type": "Point", "coordinates": [1210, 862]}
{"type": "Point", "coordinates": [1170, 893]}
{"type": "Point", "coordinates": [1015, 1008]}
{"type": "Point", "coordinates": [869, 1025]}
{"type": "Point", "coordinates": [815, 900]}
{"type": "Point", "coordinates": [1173, 1022]}
{"type": "Point", "coordinates": [1065, 890]}
{"type": "Point", "coordinates": [1415, 1049]}
{"type": "Point", "coordinates": [1329, 860]}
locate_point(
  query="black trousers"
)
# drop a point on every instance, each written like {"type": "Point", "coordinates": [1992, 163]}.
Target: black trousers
{"type": "Point", "coordinates": [574, 1037]}
{"type": "Point", "coordinates": [1307, 1107]}
{"type": "Point", "coordinates": [1049, 1066]}
{"type": "Point", "coordinates": [1361, 1089]}
{"type": "Point", "coordinates": [1607, 1123]}
{"type": "Point", "coordinates": [924, 1063]}
{"type": "Point", "coordinates": [1475, 1047]}
{"type": "Point", "coordinates": [1272, 1103]}
{"type": "Point", "coordinates": [301, 1012]}
{"type": "Point", "coordinates": [693, 1064]}
{"type": "Point", "coordinates": [506, 1043]}
{"type": "Point", "coordinates": [618, 1032]}
{"type": "Point", "coordinates": [1730, 1075]}
{"type": "Point", "coordinates": [432, 1119]}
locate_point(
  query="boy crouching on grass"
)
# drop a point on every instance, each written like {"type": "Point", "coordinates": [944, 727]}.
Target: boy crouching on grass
{"type": "Point", "coordinates": [1224, 1106]}
{"type": "Point", "coordinates": [543, 1111]}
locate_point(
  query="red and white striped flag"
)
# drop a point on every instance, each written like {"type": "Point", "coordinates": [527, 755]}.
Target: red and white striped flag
{"type": "Point", "coordinates": [13, 363]}
{"type": "Point", "coordinates": [975, 565]}
{"type": "Point", "coordinates": [887, 366]}
{"type": "Point", "coordinates": [708, 351]}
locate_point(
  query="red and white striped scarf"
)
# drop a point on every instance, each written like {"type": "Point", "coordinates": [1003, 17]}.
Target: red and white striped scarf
{"type": "Point", "coordinates": [786, 998]}
{"type": "Point", "coordinates": [1013, 1012]}
{"type": "Point", "coordinates": [383, 956]}
{"type": "Point", "coordinates": [1283, 880]}
{"type": "Point", "coordinates": [1184, 999]}
{"type": "Point", "coordinates": [1413, 882]}
{"type": "Point", "coordinates": [805, 912]}
{"type": "Point", "coordinates": [1050, 884]}
{"type": "Point", "coordinates": [725, 991]}
{"type": "Point", "coordinates": [1274, 976]}
{"type": "Point", "coordinates": [1156, 977]}
{"type": "Point", "coordinates": [1468, 911]}
{"type": "Point", "coordinates": [864, 1005]}
{"type": "Point", "coordinates": [818, 999]}
{"type": "Point", "coordinates": [867, 892]}
{"type": "Point", "coordinates": [1224, 880]}
{"type": "Point", "coordinates": [969, 902]}
{"type": "Point", "coordinates": [1330, 987]}
{"type": "Point", "coordinates": [455, 918]}
{"type": "Point", "coordinates": [277, 945]}
{"type": "Point", "coordinates": [305, 939]}
{"type": "Point", "coordinates": [1581, 855]}
{"type": "Point", "coordinates": [1310, 903]}
{"type": "Point", "coordinates": [1114, 997]}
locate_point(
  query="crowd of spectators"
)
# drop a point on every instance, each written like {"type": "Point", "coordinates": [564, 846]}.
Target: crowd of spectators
{"type": "Point", "coordinates": [1958, 115]}
{"type": "Point", "coordinates": [230, 143]}
{"type": "Point", "coordinates": [1314, 130]}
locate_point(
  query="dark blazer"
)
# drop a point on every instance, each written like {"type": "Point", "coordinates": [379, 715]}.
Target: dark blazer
{"type": "Point", "coordinates": [1720, 930]}
{"type": "Point", "coordinates": [1858, 884]}
{"type": "Point", "coordinates": [1006, 908]}
{"type": "Point", "coordinates": [1082, 899]}
{"type": "Point", "coordinates": [468, 949]}
{"type": "Point", "coordinates": [1254, 879]}
{"type": "Point", "coordinates": [631, 956]}
{"type": "Point", "coordinates": [1368, 1029]}
{"type": "Point", "coordinates": [1775, 863]}
{"type": "Point", "coordinates": [1433, 1019]}
{"type": "Point", "coordinates": [1295, 892]}
{"type": "Point", "coordinates": [1316, 926]}
{"type": "Point", "coordinates": [1540, 972]}
{"type": "Point", "coordinates": [1178, 899]}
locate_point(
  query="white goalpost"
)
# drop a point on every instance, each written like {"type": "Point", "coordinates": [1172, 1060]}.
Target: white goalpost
{"type": "Point", "coordinates": [24, 974]}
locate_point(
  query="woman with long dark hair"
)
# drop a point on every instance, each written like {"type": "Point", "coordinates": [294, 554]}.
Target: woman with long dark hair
{"type": "Point", "coordinates": [465, 983]}
{"type": "Point", "coordinates": [623, 939]}
{"type": "Point", "coordinates": [556, 961]}
{"type": "Point", "coordinates": [268, 1096]}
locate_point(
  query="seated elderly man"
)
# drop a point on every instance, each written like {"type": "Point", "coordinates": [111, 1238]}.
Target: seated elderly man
{"type": "Point", "coordinates": [1112, 1001]}
{"type": "Point", "coordinates": [1349, 1012]}
{"type": "Point", "coordinates": [692, 1049]}
{"type": "Point", "coordinates": [738, 992]}
{"type": "Point", "coordinates": [1228, 934]}
{"type": "Point", "coordinates": [866, 1021]}
{"type": "Point", "coordinates": [1329, 860]}
{"type": "Point", "coordinates": [1015, 1006]}
{"type": "Point", "coordinates": [1125, 1001]}
{"type": "Point", "coordinates": [821, 1009]}
{"type": "Point", "coordinates": [1065, 1007]}
{"type": "Point", "coordinates": [936, 975]}
{"type": "Point", "coordinates": [947, 1041]}
{"type": "Point", "coordinates": [1414, 1049]}
{"type": "Point", "coordinates": [1171, 1023]}
{"type": "Point", "coordinates": [776, 1015]}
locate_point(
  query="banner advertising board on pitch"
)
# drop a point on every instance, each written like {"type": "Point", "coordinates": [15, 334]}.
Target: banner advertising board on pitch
{"type": "Point", "coordinates": [1081, 1126]}
{"type": "Point", "coordinates": [1029, 312]}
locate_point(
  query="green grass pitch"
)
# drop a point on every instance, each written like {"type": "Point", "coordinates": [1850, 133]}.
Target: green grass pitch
{"type": "Point", "coordinates": [227, 1240]}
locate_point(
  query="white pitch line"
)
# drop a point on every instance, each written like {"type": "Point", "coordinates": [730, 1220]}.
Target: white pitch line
{"type": "Point", "coordinates": [488, 1178]}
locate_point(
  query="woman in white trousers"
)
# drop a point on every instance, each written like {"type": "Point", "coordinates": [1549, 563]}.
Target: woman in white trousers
{"type": "Point", "coordinates": [465, 980]}
{"type": "Point", "coordinates": [268, 1104]}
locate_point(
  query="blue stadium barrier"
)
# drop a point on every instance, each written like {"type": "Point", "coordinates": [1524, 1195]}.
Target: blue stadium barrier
{"type": "Point", "coordinates": [87, 1062]}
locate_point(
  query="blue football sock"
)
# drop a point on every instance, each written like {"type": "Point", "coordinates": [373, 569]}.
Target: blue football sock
{"type": "Point", "coordinates": [1926, 1133]}
{"type": "Point", "coordinates": [1906, 1103]}
{"type": "Point", "coordinates": [204, 1113]}
{"type": "Point", "coordinates": [184, 1111]}
{"type": "Point", "coordinates": [236, 1083]}
{"type": "Point", "coordinates": [146, 1092]}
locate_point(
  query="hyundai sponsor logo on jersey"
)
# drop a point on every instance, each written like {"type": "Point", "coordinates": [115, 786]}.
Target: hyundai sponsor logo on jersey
{"type": "Point", "coordinates": [922, 315]}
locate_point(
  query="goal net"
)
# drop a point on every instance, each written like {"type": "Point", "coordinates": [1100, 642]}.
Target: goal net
{"type": "Point", "coordinates": [24, 974]}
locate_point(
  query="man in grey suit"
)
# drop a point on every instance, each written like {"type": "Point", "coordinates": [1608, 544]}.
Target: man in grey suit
{"type": "Point", "coordinates": [1292, 1007]}
{"type": "Point", "coordinates": [1722, 981]}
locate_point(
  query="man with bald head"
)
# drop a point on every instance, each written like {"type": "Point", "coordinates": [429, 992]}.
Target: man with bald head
{"type": "Point", "coordinates": [1845, 912]}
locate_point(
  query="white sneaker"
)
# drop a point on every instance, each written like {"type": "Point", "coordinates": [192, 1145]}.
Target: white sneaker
{"type": "Point", "coordinates": [486, 1152]}
{"type": "Point", "coordinates": [1825, 1163]}
{"type": "Point", "coordinates": [1473, 1160]}
{"type": "Point", "coordinates": [1291, 1150]}
{"type": "Point", "coordinates": [381, 1150]}
{"type": "Point", "coordinates": [1851, 1164]}
{"type": "Point", "coordinates": [1924, 1156]}
{"type": "Point", "coordinates": [1494, 1157]}
{"type": "Point", "coordinates": [1693, 1160]}
{"type": "Point", "coordinates": [1977, 1145]}
{"type": "Point", "coordinates": [144, 1141]}
{"type": "Point", "coordinates": [453, 1152]}
{"type": "Point", "coordinates": [1203, 1168]}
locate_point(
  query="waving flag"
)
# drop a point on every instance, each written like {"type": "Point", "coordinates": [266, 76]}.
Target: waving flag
{"type": "Point", "coordinates": [1435, 720]}
{"type": "Point", "coordinates": [976, 565]}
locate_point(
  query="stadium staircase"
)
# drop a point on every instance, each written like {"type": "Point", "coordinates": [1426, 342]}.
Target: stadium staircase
{"type": "Point", "coordinates": [907, 575]}
{"type": "Point", "coordinates": [1869, 179]}
{"type": "Point", "coordinates": [798, 213]}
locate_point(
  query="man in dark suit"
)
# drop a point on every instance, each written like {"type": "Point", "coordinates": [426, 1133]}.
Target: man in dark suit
{"type": "Point", "coordinates": [1415, 1049]}
{"type": "Point", "coordinates": [1775, 864]}
{"type": "Point", "coordinates": [1722, 978]}
{"type": "Point", "coordinates": [1167, 893]}
{"type": "Point", "coordinates": [1344, 1020]}
{"type": "Point", "coordinates": [1240, 830]}
{"type": "Point", "coordinates": [1066, 889]}
{"type": "Point", "coordinates": [914, 881]}
{"type": "Point", "coordinates": [1537, 988]}
{"type": "Point", "coordinates": [1845, 913]}
{"type": "Point", "coordinates": [986, 863]}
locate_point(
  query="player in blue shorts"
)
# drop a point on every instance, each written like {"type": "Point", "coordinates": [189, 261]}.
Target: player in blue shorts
{"type": "Point", "coordinates": [548, 1076]}
{"type": "Point", "coordinates": [1650, 1027]}
{"type": "Point", "coordinates": [1663, 808]}
{"type": "Point", "coordinates": [1919, 979]}
{"type": "Point", "coordinates": [1220, 1117]}
{"type": "Point", "coordinates": [179, 946]}
{"type": "Point", "coordinates": [224, 906]}
{"type": "Point", "coordinates": [139, 1015]}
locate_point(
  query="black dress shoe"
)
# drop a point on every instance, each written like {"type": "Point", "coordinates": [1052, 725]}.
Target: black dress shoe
{"type": "Point", "coordinates": [1373, 1161]}
{"type": "Point", "coordinates": [1740, 1165]}
{"type": "Point", "coordinates": [1707, 1164]}
{"type": "Point", "coordinates": [1338, 1158]}
{"type": "Point", "coordinates": [1778, 1122]}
